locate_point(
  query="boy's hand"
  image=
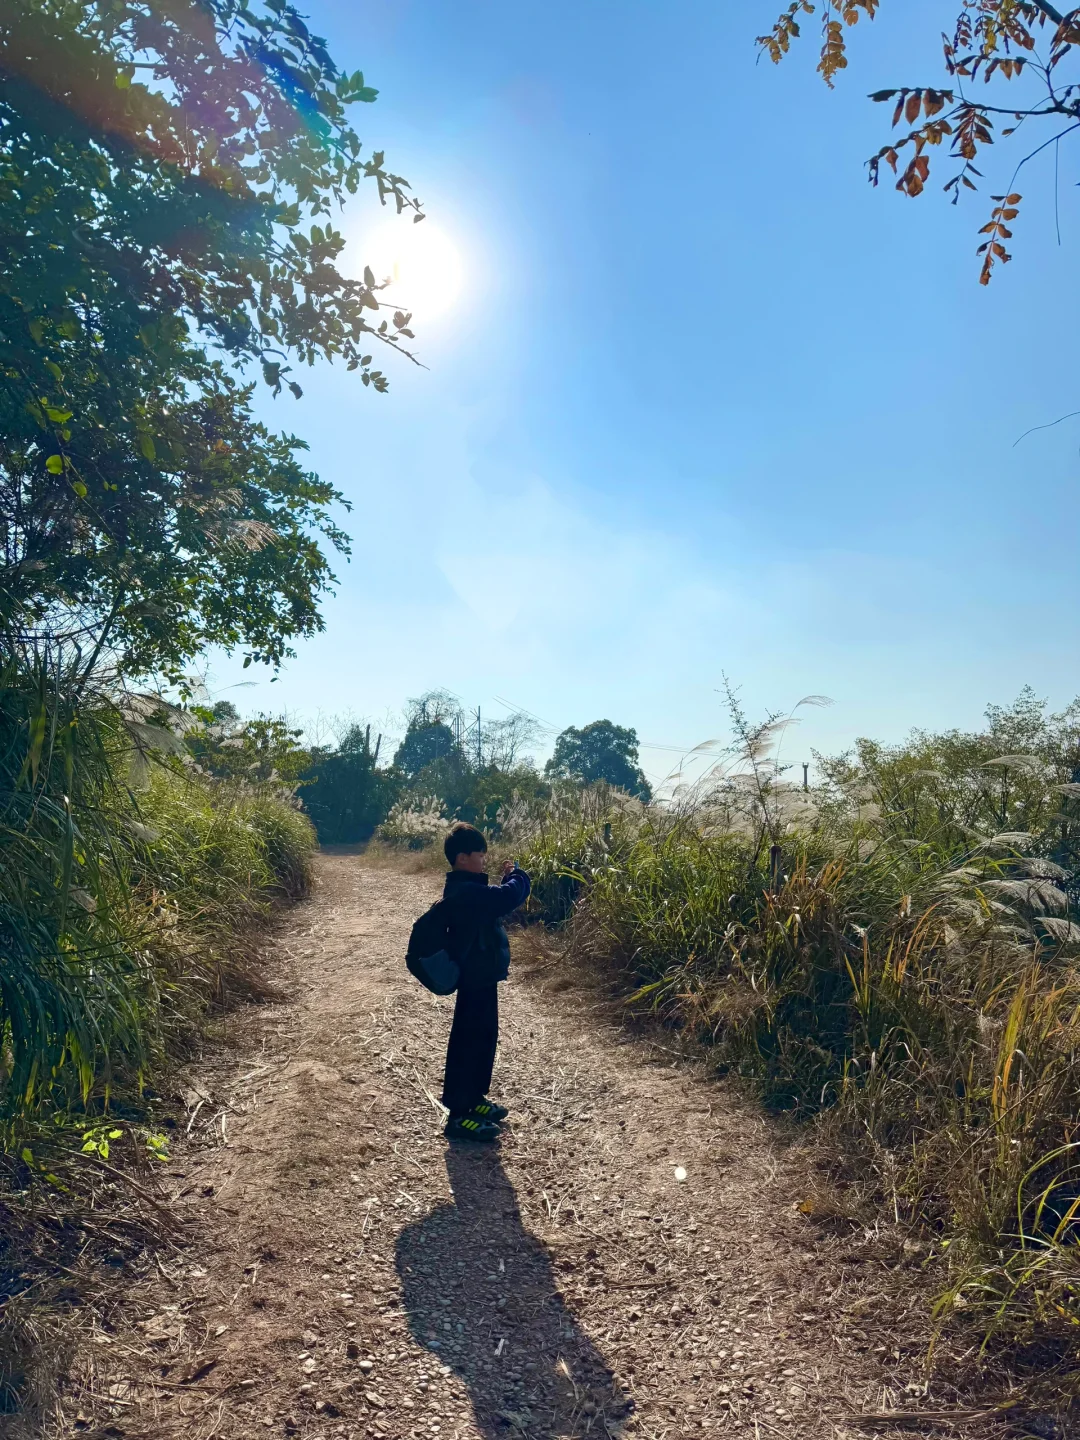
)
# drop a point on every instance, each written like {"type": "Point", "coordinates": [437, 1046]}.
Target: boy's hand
{"type": "Point", "coordinates": [507, 868]}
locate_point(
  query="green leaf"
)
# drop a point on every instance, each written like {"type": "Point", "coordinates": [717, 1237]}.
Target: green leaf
{"type": "Point", "coordinates": [158, 1145]}
{"type": "Point", "coordinates": [146, 445]}
{"type": "Point", "coordinates": [55, 464]}
{"type": "Point", "coordinates": [79, 488]}
{"type": "Point", "coordinates": [58, 417]}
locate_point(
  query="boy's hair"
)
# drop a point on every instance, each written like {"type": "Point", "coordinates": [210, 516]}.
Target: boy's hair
{"type": "Point", "coordinates": [462, 840]}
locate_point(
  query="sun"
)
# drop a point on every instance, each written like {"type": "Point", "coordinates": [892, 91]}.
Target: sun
{"type": "Point", "coordinates": [421, 262]}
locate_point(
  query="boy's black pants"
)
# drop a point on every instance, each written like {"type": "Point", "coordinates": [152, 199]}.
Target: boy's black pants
{"type": "Point", "coordinates": [470, 1055]}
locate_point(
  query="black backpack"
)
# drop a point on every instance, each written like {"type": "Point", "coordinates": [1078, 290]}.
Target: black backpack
{"type": "Point", "coordinates": [428, 956]}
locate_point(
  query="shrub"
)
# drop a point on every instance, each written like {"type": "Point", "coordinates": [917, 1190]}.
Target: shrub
{"type": "Point", "coordinates": [414, 824]}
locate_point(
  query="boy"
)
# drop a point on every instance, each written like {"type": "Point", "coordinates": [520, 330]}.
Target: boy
{"type": "Point", "coordinates": [479, 944]}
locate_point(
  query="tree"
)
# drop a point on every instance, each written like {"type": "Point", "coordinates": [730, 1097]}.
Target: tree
{"type": "Point", "coordinates": [600, 751]}
{"type": "Point", "coordinates": [494, 788]}
{"type": "Point", "coordinates": [265, 750]}
{"type": "Point", "coordinates": [425, 743]}
{"type": "Point", "coordinates": [471, 770]}
{"type": "Point", "coordinates": [205, 535]}
{"type": "Point", "coordinates": [345, 792]}
{"type": "Point", "coordinates": [504, 742]}
{"type": "Point", "coordinates": [225, 714]}
{"type": "Point", "coordinates": [167, 168]}
{"type": "Point", "coordinates": [991, 39]}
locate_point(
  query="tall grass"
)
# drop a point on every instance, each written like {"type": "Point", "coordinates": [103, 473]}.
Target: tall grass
{"type": "Point", "coordinates": [213, 858]}
{"type": "Point", "coordinates": [127, 886]}
{"type": "Point", "coordinates": [71, 991]}
{"type": "Point", "coordinates": [892, 957]}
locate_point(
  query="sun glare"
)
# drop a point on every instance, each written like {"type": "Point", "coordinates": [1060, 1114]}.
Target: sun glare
{"type": "Point", "coordinates": [421, 262]}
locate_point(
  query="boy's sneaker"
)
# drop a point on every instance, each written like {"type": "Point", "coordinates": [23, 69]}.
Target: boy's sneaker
{"type": "Point", "coordinates": [490, 1111]}
{"type": "Point", "coordinates": [470, 1127]}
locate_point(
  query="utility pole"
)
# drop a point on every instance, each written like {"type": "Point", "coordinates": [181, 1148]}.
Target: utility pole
{"type": "Point", "coordinates": [479, 742]}
{"type": "Point", "coordinates": [805, 776]}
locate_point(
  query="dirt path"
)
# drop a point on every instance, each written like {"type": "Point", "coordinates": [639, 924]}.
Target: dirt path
{"type": "Point", "coordinates": [351, 1275]}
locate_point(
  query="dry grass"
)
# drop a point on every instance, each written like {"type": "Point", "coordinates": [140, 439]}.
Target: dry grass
{"type": "Point", "coordinates": [380, 856]}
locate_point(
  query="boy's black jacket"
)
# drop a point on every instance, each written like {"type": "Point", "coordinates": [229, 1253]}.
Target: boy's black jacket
{"type": "Point", "coordinates": [477, 939]}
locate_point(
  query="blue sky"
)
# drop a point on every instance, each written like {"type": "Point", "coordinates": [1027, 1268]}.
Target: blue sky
{"type": "Point", "coordinates": [707, 403]}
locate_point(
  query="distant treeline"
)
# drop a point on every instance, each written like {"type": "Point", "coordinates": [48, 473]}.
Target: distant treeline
{"type": "Point", "coordinates": [449, 765]}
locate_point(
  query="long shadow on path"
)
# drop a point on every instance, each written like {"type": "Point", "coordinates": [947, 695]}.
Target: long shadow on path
{"type": "Point", "coordinates": [480, 1294]}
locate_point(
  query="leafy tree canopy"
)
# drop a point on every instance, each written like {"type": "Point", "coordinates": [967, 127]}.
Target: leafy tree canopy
{"type": "Point", "coordinates": [1027, 43]}
{"type": "Point", "coordinates": [423, 745]}
{"type": "Point", "coordinates": [266, 749]}
{"type": "Point", "coordinates": [167, 170]}
{"type": "Point", "coordinates": [345, 792]}
{"type": "Point", "coordinates": [600, 751]}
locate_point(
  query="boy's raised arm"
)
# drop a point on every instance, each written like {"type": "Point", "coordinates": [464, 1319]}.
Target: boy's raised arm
{"type": "Point", "coordinates": [514, 891]}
